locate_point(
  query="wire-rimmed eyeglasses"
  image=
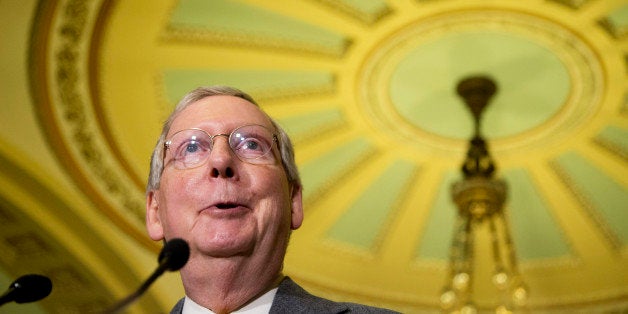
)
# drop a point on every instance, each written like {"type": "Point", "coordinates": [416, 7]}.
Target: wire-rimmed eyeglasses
{"type": "Point", "coordinates": [252, 143]}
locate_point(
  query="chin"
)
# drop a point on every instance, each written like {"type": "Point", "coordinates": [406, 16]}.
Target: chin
{"type": "Point", "coordinates": [226, 247]}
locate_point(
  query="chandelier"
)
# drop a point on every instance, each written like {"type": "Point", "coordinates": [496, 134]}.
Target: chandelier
{"type": "Point", "coordinates": [480, 199]}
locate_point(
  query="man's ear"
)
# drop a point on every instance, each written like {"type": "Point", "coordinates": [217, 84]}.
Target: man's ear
{"type": "Point", "coordinates": [297, 207]}
{"type": "Point", "coordinates": [153, 220]}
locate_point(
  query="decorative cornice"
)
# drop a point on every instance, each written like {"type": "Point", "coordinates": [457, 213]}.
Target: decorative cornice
{"type": "Point", "coordinates": [60, 84]}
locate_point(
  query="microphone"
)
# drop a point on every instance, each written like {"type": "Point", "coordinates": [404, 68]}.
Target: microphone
{"type": "Point", "coordinates": [28, 288]}
{"type": "Point", "coordinates": [172, 257]}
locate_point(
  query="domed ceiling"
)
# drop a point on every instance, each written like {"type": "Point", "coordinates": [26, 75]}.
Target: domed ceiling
{"type": "Point", "coordinates": [367, 90]}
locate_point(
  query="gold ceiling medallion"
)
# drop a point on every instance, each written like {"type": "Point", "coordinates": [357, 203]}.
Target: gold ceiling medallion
{"type": "Point", "coordinates": [480, 199]}
{"type": "Point", "coordinates": [377, 89]}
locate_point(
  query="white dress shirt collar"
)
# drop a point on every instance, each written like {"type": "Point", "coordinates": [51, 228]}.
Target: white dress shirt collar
{"type": "Point", "coordinates": [260, 305]}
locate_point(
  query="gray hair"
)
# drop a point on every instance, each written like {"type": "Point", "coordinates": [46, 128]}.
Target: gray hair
{"type": "Point", "coordinates": [157, 159]}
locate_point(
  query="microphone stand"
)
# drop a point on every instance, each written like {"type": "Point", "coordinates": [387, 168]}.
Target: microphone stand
{"type": "Point", "coordinates": [173, 256]}
{"type": "Point", "coordinates": [132, 297]}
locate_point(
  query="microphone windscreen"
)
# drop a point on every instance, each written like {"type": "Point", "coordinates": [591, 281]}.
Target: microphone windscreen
{"type": "Point", "coordinates": [174, 254]}
{"type": "Point", "coordinates": [30, 288]}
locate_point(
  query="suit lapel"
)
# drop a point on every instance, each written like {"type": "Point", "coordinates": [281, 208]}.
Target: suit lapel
{"type": "Point", "coordinates": [292, 298]}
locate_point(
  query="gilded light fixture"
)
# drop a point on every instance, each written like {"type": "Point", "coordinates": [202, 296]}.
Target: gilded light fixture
{"type": "Point", "coordinates": [480, 199]}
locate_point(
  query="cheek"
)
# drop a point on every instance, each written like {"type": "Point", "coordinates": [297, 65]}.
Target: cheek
{"type": "Point", "coordinates": [275, 201]}
{"type": "Point", "coordinates": [179, 194]}
{"type": "Point", "coordinates": [181, 186]}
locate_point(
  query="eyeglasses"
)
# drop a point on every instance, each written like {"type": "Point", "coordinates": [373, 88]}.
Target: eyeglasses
{"type": "Point", "coordinates": [251, 143]}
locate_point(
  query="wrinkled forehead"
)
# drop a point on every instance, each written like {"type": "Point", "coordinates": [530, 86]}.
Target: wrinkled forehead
{"type": "Point", "coordinates": [220, 114]}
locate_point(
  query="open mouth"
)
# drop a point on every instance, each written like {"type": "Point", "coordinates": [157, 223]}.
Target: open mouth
{"type": "Point", "coordinates": [226, 210]}
{"type": "Point", "coordinates": [226, 205]}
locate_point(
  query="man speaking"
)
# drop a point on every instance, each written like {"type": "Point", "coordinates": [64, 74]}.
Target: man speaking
{"type": "Point", "coordinates": [223, 178]}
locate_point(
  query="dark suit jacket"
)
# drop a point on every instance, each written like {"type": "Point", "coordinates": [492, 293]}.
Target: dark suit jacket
{"type": "Point", "coordinates": [291, 298]}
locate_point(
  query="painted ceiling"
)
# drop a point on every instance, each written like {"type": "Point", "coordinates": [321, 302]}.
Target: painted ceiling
{"type": "Point", "coordinates": [367, 90]}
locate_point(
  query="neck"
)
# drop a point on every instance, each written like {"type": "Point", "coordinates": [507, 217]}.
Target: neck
{"type": "Point", "coordinates": [224, 285]}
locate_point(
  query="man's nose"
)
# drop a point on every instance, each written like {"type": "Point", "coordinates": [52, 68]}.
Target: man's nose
{"type": "Point", "coordinates": [221, 158]}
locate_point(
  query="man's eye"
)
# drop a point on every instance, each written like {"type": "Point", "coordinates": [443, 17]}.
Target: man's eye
{"type": "Point", "coordinates": [191, 147]}
{"type": "Point", "coordinates": [251, 145]}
